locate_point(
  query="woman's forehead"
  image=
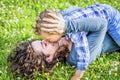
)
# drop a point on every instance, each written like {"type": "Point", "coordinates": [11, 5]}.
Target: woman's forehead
{"type": "Point", "coordinates": [36, 42]}
{"type": "Point", "coordinates": [36, 45]}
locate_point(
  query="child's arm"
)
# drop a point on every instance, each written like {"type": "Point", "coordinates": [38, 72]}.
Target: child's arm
{"type": "Point", "coordinates": [68, 10]}
{"type": "Point", "coordinates": [80, 51]}
{"type": "Point", "coordinates": [61, 26]}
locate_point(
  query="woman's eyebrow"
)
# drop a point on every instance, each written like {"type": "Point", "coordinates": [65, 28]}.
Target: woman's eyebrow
{"type": "Point", "coordinates": [31, 46]}
{"type": "Point", "coordinates": [42, 44]}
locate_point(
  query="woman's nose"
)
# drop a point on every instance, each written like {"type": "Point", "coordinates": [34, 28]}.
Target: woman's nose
{"type": "Point", "coordinates": [49, 60]}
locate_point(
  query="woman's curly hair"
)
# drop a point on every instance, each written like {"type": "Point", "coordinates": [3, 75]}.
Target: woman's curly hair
{"type": "Point", "coordinates": [24, 61]}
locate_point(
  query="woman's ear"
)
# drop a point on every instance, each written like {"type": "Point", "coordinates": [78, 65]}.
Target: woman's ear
{"type": "Point", "coordinates": [61, 49]}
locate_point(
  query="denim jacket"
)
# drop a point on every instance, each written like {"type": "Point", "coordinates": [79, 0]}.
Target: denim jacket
{"type": "Point", "coordinates": [113, 22]}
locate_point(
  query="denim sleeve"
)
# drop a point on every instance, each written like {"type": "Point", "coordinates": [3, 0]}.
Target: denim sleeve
{"type": "Point", "coordinates": [66, 11]}
{"type": "Point", "coordinates": [79, 54]}
{"type": "Point", "coordinates": [82, 49]}
{"type": "Point", "coordinates": [85, 24]}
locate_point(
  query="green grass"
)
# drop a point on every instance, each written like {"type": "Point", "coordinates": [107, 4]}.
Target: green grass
{"type": "Point", "coordinates": [16, 20]}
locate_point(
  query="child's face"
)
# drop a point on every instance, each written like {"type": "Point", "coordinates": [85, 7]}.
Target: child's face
{"type": "Point", "coordinates": [50, 37]}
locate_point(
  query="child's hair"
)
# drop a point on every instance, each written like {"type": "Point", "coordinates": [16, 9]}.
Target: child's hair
{"type": "Point", "coordinates": [37, 27]}
{"type": "Point", "coordinates": [24, 61]}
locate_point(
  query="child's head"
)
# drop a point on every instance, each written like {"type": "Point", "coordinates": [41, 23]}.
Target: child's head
{"type": "Point", "coordinates": [24, 60]}
{"type": "Point", "coordinates": [46, 35]}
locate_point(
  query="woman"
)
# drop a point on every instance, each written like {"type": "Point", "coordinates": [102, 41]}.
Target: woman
{"type": "Point", "coordinates": [41, 56]}
{"type": "Point", "coordinates": [27, 60]}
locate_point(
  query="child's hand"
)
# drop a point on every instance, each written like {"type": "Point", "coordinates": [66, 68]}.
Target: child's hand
{"type": "Point", "coordinates": [78, 75]}
{"type": "Point", "coordinates": [75, 78]}
{"type": "Point", "coordinates": [56, 24]}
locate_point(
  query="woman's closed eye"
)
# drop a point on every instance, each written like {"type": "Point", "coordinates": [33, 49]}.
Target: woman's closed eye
{"type": "Point", "coordinates": [46, 56]}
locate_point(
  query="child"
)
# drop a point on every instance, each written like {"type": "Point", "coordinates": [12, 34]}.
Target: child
{"type": "Point", "coordinates": [105, 11]}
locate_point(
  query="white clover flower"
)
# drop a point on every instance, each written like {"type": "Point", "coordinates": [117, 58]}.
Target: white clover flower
{"type": "Point", "coordinates": [29, 39]}
{"type": "Point", "coordinates": [101, 59]}
{"type": "Point", "coordinates": [0, 72]}
{"type": "Point", "coordinates": [1, 2]}
{"type": "Point", "coordinates": [7, 22]}
{"type": "Point", "coordinates": [14, 29]}
{"type": "Point", "coordinates": [86, 78]}
{"type": "Point", "coordinates": [101, 71]}
{"type": "Point", "coordinates": [67, 3]}
{"type": "Point", "coordinates": [98, 76]}
{"type": "Point", "coordinates": [10, 21]}
{"type": "Point", "coordinates": [17, 20]}
{"type": "Point", "coordinates": [3, 6]}
{"type": "Point", "coordinates": [26, 17]}
{"type": "Point", "coordinates": [18, 78]}
{"type": "Point", "coordinates": [62, 68]}
{"type": "Point", "coordinates": [6, 44]}
{"type": "Point", "coordinates": [11, 6]}
{"type": "Point", "coordinates": [10, 12]}
{"type": "Point", "coordinates": [13, 35]}
{"type": "Point", "coordinates": [115, 69]}
{"type": "Point", "coordinates": [3, 12]}
{"type": "Point", "coordinates": [110, 71]}
{"type": "Point", "coordinates": [24, 29]}
{"type": "Point", "coordinates": [44, 5]}
{"type": "Point", "coordinates": [115, 63]}
{"type": "Point", "coordinates": [19, 9]}
{"type": "Point", "coordinates": [73, 66]}
{"type": "Point", "coordinates": [12, 0]}
{"type": "Point", "coordinates": [31, 31]}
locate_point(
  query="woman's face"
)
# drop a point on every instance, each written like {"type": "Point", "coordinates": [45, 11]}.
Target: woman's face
{"type": "Point", "coordinates": [47, 48]}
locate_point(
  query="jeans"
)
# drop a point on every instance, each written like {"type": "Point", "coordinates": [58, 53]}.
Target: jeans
{"type": "Point", "coordinates": [113, 23]}
{"type": "Point", "coordinates": [97, 39]}
{"type": "Point", "coordinates": [109, 45]}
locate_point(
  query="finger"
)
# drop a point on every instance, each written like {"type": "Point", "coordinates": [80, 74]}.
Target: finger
{"type": "Point", "coordinates": [51, 10]}
{"type": "Point", "coordinates": [50, 20]}
{"type": "Point", "coordinates": [48, 30]}
{"type": "Point", "coordinates": [52, 30]}
{"type": "Point", "coordinates": [48, 25]}
{"type": "Point", "coordinates": [57, 17]}
{"type": "Point", "coordinates": [53, 16]}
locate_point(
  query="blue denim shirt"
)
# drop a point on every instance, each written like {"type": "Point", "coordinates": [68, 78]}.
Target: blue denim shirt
{"type": "Point", "coordinates": [97, 10]}
{"type": "Point", "coordinates": [106, 12]}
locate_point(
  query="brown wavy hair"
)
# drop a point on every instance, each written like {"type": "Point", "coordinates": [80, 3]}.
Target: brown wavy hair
{"type": "Point", "coordinates": [24, 61]}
